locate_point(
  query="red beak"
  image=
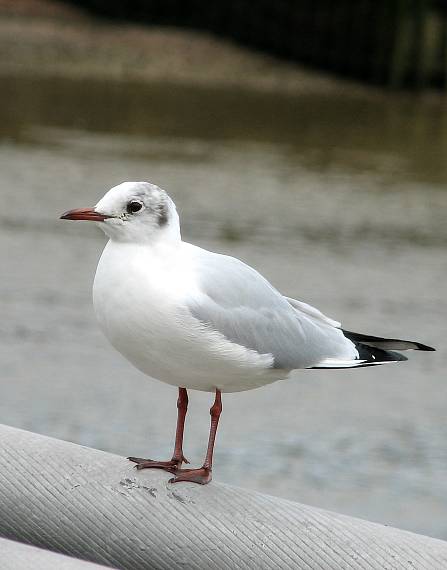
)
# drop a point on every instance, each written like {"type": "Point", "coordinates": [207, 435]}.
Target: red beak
{"type": "Point", "coordinates": [84, 214]}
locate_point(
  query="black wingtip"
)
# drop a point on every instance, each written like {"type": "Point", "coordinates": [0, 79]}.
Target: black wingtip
{"type": "Point", "coordinates": [425, 347]}
{"type": "Point", "coordinates": [386, 343]}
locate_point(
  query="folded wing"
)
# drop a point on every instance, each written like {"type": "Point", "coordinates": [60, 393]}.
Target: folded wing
{"type": "Point", "coordinates": [239, 303]}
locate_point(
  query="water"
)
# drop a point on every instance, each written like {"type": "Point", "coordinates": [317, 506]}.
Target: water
{"type": "Point", "coordinates": [339, 201]}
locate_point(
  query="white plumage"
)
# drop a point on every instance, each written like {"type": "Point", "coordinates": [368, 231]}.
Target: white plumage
{"type": "Point", "coordinates": [193, 318]}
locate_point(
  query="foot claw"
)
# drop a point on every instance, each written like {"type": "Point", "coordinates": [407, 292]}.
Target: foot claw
{"type": "Point", "coordinates": [201, 476]}
{"type": "Point", "coordinates": [172, 466]}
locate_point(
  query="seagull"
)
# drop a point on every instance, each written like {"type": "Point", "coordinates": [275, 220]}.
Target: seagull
{"type": "Point", "coordinates": [204, 321]}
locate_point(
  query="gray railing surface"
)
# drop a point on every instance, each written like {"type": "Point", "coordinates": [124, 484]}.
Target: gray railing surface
{"type": "Point", "coordinates": [18, 556]}
{"type": "Point", "coordinates": [94, 505]}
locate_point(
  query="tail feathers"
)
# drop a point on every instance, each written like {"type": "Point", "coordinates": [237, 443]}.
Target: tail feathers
{"type": "Point", "coordinates": [368, 356]}
{"type": "Point", "coordinates": [373, 350]}
{"type": "Point", "coordinates": [385, 343]}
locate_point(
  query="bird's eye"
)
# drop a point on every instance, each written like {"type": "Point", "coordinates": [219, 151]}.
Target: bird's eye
{"type": "Point", "coordinates": [134, 206]}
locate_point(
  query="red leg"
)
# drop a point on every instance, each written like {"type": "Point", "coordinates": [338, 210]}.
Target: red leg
{"type": "Point", "coordinates": [182, 407]}
{"type": "Point", "coordinates": [203, 475]}
{"type": "Point", "coordinates": [178, 458]}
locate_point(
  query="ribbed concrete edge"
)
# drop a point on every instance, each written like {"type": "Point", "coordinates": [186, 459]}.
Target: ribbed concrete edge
{"type": "Point", "coordinates": [18, 556]}
{"type": "Point", "coordinates": [94, 505]}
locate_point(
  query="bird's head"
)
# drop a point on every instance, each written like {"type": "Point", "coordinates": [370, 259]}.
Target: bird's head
{"type": "Point", "coordinates": [132, 212]}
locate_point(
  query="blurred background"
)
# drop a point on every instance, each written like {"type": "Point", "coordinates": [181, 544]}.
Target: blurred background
{"type": "Point", "coordinates": [333, 188]}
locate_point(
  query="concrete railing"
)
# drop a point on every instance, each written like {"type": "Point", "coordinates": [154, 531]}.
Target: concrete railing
{"type": "Point", "coordinates": [94, 505]}
{"type": "Point", "coordinates": [18, 556]}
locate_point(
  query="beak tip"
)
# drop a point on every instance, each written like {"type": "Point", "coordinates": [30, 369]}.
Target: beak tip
{"type": "Point", "coordinates": [83, 214]}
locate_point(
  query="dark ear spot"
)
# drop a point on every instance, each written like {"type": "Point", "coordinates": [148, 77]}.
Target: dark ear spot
{"type": "Point", "coordinates": [163, 216]}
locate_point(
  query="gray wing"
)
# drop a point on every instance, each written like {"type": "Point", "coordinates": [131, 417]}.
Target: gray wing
{"type": "Point", "coordinates": [239, 303]}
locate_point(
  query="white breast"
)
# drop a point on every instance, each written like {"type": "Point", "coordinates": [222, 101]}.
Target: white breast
{"type": "Point", "coordinates": [139, 297]}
